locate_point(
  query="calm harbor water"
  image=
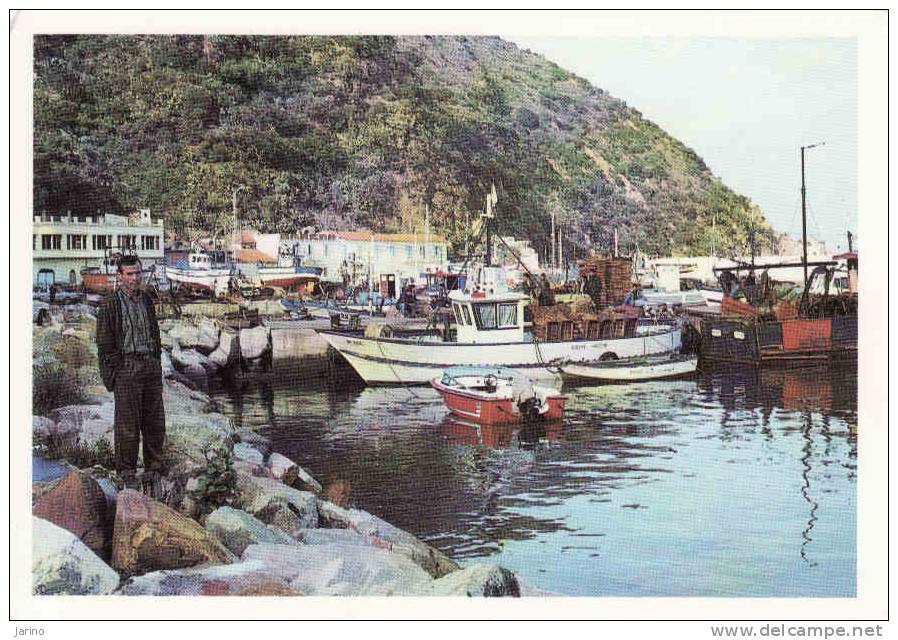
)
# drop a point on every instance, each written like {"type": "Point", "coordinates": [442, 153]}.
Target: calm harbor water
{"type": "Point", "coordinates": [727, 484]}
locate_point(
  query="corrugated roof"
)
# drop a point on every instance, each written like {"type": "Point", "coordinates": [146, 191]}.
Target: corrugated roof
{"type": "Point", "coordinates": [253, 255]}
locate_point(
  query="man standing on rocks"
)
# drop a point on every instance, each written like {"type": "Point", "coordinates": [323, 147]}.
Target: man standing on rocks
{"type": "Point", "coordinates": [129, 352]}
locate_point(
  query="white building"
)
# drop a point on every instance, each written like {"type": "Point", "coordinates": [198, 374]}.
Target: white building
{"type": "Point", "coordinates": [62, 245]}
{"type": "Point", "coordinates": [355, 254]}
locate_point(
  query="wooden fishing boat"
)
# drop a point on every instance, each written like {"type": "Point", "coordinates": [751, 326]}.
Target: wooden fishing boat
{"type": "Point", "coordinates": [489, 331]}
{"type": "Point", "coordinates": [497, 396]}
{"type": "Point", "coordinates": [672, 365]}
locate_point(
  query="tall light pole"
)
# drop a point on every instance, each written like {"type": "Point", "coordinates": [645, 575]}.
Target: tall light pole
{"type": "Point", "coordinates": [804, 220]}
{"type": "Point", "coordinates": [236, 241]}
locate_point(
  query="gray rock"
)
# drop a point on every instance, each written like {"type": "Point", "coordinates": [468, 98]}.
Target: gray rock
{"type": "Point", "coordinates": [167, 367]}
{"type": "Point", "coordinates": [239, 579]}
{"type": "Point", "coordinates": [288, 472]}
{"type": "Point", "coordinates": [253, 342]}
{"type": "Point", "coordinates": [189, 361]}
{"type": "Point", "coordinates": [252, 437]}
{"type": "Point", "coordinates": [63, 565]}
{"type": "Point", "coordinates": [341, 570]}
{"type": "Point", "coordinates": [382, 534]}
{"type": "Point", "coordinates": [219, 359]}
{"type": "Point", "coordinates": [42, 427]}
{"type": "Point", "coordinates": [237, 530]}
{"type": "Point", "coordinates": [265, 497]}
{"type": "Point", "coordinates": [248, 453]}
{"type": "Point", "coordinates": [84, 423]}
{"type": "Point", "coordinates": [202, 335]}
{"type": "Point", "coordinates": [330, 536]}
{"type": "Point", "coordinates": [180, 398]}
{"type": "Point", "coordinates": [189, 435]}
{"type": "Point", "coordinates": [479, 580]}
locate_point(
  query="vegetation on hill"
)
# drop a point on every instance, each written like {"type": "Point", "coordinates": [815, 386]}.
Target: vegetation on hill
{"type": "Point", "coordinates": [347, 132]}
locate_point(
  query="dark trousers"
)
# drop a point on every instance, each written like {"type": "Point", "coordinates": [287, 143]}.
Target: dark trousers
{"type": "Point", "coordinates": [139, 412]}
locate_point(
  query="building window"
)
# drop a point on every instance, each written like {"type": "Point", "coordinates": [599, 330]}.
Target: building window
{"type": "Point", "coordinates": [392, 249]}
{"type": "Point", "coordinates": [127, 242]}
{"type": "Point", "coordinates": [33, 241]}
{"type": "Point", "coordinates": [409, 251]}
{"type": "Point", "coordinates": [101, 243]}
{"type": "Point", "coordinates": [76, 242]}
{"type": "Point", "coordinates": [149, 243]}
{"type": "Point", "coordinates": [51, 242]}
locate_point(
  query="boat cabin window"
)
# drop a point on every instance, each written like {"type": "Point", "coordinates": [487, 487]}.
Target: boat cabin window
{"type": "Point", "coordinates": [467, 313]}
{"type": "Point", "coordinates": [508, 315]}
{"type": "Point", "coordinates": [486, 316]}
{"type": "Point", "coordinates": [457, 314]}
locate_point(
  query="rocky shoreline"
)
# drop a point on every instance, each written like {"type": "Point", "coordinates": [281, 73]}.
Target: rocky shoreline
{"type": "Point", "coordinates": [228, 518]}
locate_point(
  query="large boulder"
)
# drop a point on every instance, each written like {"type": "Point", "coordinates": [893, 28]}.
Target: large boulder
{"type": "Point", "coordinates": [238, 579]}
{"type": "Point", "coordinates": [253, 342]}
{"type": "Point", "coordinates": [288, 472]}
{"type": "Point", "coordinates": [340, 570]}
{"type": "Point", "coordinates": [78, 504]}
{"type": "Point", "coordinates": [237, 530]}
{"type": "Point", "coordinates": [63, 565]}
{"type": "Point", "coordinates": [330, 536]}
{"type": "Point", "coordinates": [190, 362]}
{"type": "Point", "coordinates": [201, 335]}
{"type": "Point", "coordinates": [248, 453]}
{"type": "Point", "coordinates": [273, 502]}
{"type": "Point", "coordinates": [228, 350]}
{"type": "Point", "coordinates": [479, 580]}
{"type": "Point", "coordinates": [382, 534]}
{"type": "Point", "coordinates": [180, 398]}
{"type": "Point", "coordinates": [42, 427]}
{"type": "Point", "coordinates": [149, 536]}
{"type": "Point", "coordinates": [190, 436]}
{"type": "Point", "coordinates": [85, 424]}
{"type": "Point", "coordinates": [252, 437]}
{"type": "Point", "coordinates": [165, 362]}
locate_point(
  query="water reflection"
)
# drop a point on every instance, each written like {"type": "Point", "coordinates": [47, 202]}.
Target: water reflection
{"type": "Point", "coordinates": [736, 482]}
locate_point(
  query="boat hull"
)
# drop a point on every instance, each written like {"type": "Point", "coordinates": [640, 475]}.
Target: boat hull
{"type": "Point", "coordinates": [98, 282]}
{"type": "Point", "coordinates": [479, 407]}
{"type": "Point", "coordinates": [398, 361]}
{"type": "Point", "coordinates": [214, 281]}
{"type": "Point", "coordinates": [641, 370]}
{"type": "Point", "coordinates": [787, 342]}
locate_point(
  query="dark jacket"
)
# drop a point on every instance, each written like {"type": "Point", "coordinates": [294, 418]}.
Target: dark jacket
{"type": "Point", "coordinates": [110, 335]}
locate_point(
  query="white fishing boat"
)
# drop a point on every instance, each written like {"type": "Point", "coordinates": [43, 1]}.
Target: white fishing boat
{"type": "Point", "coordinates": [198, 274]}
{"type": "Point", "coordinates": [489, 321]}
{"type": "Point", "coordinates": [656, 367]}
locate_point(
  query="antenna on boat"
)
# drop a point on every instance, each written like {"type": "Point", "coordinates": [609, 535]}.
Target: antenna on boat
{"type": "Point", "coordinates": [804, 223]}
{"type": "Point", "coordinates": [491, 199]}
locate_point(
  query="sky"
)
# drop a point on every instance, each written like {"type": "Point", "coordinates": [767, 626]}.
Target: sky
{"type": "Point", "coordinates": [746, 106]}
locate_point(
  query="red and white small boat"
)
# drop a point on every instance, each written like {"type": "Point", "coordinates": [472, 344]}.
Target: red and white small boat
{"type": "Point", "coordinates": [497, 396]}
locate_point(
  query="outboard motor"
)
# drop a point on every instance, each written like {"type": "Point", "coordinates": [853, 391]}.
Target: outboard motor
{"type": "Point", "coordinates": [530, 409]}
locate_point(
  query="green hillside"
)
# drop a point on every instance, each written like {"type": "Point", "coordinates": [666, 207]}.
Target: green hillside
{"type": "Point", "coordinates": [346, 132]}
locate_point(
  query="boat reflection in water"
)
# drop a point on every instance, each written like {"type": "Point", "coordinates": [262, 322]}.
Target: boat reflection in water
{"type": "Point", "coordinates": [457, 431]}
{"type": "Point", "coordinates": [736, 482]}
